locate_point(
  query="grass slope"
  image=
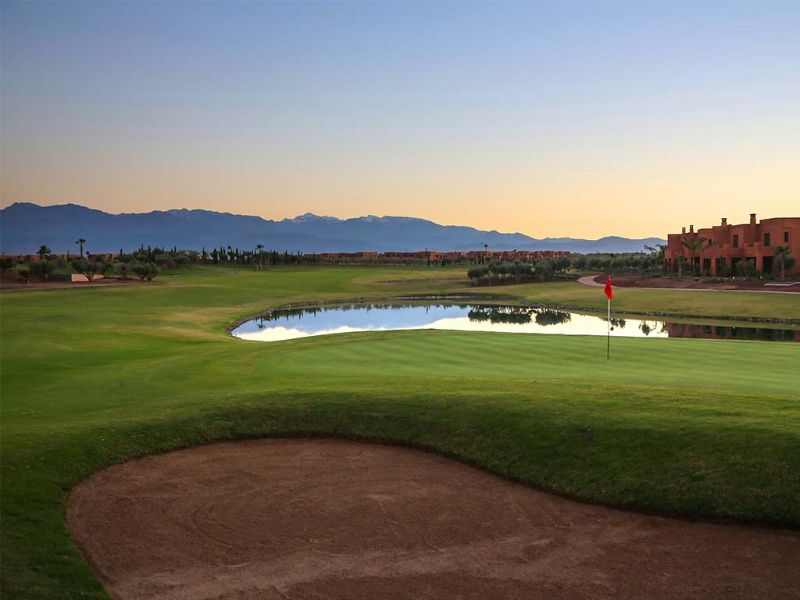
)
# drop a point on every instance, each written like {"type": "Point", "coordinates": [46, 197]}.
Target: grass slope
{"type": "Point", "coordinates": [91, 377]}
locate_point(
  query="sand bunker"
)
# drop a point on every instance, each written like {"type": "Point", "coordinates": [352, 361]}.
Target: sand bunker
{"type": "Point", "coordinates": [334, 519]}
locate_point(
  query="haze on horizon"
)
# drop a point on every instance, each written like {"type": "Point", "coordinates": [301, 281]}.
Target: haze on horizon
{"type": "Point", "coordinates": [550, 119]}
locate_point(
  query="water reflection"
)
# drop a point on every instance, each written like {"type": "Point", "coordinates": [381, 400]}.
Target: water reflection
{"type": "Point", "coordinates": [517, 314]}
{"type": "Point", "coordinates": [720, 332]}
{"type": "Point", "coordinates": [304, 322]}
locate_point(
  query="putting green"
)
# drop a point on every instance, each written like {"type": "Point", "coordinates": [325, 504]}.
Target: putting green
{"type": "Point", "coordinates": [92, 377]}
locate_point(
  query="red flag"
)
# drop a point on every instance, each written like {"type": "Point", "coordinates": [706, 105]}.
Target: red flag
{"type": "Point", "coordinates": [609, 294]}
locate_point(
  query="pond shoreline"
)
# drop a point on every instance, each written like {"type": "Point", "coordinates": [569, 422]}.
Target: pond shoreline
{"type": "Point", "coordinates": [505, 300]}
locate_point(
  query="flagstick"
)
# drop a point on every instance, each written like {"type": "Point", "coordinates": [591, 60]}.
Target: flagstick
{"type": "Point", "coordinates": [608, 338]}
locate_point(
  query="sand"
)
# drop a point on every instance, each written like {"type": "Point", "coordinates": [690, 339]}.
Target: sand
{"type": "Point", "coordinates": [335, 519]}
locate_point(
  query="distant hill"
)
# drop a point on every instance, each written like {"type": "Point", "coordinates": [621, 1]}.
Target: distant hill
{"type": "Point", "coordinates": [24, 227]}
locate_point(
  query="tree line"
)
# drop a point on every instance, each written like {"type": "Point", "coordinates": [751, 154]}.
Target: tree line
{"type": "Point", "coordinates": [566, 267]}
{"type": "Point", "coordinates": [145, 264]}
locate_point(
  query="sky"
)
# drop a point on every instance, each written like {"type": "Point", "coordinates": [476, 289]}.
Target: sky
{"type": "Point", "coordinates": [579, 119]}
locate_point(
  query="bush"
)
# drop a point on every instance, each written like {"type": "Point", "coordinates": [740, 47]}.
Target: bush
{"type": "Point", "coordinates": [181, 260]}
{"type": "Point", "coordinates": [543, 271]}
{"type": "Point", "coordinates": [518, 272]}
{"type": "Point", "coordinates": [89, 269]}
{"type": "Point", "coordinates": [788, 263]}
{"type": "Point", "coordinates": [41, 269]}
{"type": "Point", "coordinates": [164, 261]}
{"type": "Point", "coordinates": [476, 273]}
{"type": "Point", "coordinates": [145, 271]}
{"type": "Point", "coordinates": [566, 277]}
{"type": "Point", "coordinates": [23, 271]}
{"type": "Point", "coordinates": [579, 262]}
{"type": "Point", "coordinates": [746, 268]}
{"type": "Point", "coordinates": [123, 270]}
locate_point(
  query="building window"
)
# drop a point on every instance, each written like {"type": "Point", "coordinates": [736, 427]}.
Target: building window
{"type": "Point", "coordinates": [766, 239]}
{"type": "Point", "coordinates": [785, 237]}
{"type": "Point", "coordinates": [736, 241]}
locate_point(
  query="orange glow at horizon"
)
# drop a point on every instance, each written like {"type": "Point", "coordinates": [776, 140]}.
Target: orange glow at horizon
{"type": "Point", "coordinates": [585, 205]}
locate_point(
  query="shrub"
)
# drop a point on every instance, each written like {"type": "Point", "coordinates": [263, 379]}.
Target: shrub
{"type": "Point", "coordinates": [566, 277]}
{"type": "Point", "coordinates": [89, 268]}
{"type": "Point", "coordinates": [145, 271]}
{"type": "Point", "coordinates": [6, 263]}
{"type": "Point", "coordinates": [23, 271]}
{"type": "Point", "coordinates": [579, 262]}
{"type": "Point", "coordinates": [41, 269]}
{"type": "Point", "coordinates": [543, 271]}
{"type": "Point", "coordinates": [123, 270]}
{"type": "Point", "coordinates": [164, 261]}
{"type": "Point", "coordinates": [746, 268]}
{"type": "Point", "coordinates": [476, 273]}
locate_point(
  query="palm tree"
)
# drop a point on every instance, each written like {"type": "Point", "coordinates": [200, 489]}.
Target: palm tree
{"type": "Point", "coordinates": [43, 251]}
{"type": "Point", "coordinates": [259, 248]}
{"type": "Point", "coordinates": [80, 242]}
{"type": "Point", "coordinates": [783, 255]}
{"type": "Point", "coordinates": [659, 253]}
{"type": "Point", "coordinates": [680, 260]}
{"type": "Point", "coordinates": [694, 245]}
{"type": "Point", "coordinates": [707, 243]}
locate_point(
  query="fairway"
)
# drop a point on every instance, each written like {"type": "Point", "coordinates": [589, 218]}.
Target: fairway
{"type": "Point", "coordinates": [92, 377]}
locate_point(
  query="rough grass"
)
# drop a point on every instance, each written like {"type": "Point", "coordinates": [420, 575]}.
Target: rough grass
{"type": "Point", "coordinates": [90, 377]}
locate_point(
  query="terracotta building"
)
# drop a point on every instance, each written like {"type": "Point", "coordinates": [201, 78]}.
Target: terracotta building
{"type": "Point", "coordinates": [726, 245]}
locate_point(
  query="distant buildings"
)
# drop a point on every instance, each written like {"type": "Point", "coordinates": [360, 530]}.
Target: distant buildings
{"type": "Point", "coordinates": [724, 246]}
{"type": "Point", "coordinates": [463, 257]}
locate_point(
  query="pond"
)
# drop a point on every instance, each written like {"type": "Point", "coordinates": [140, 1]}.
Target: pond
{"type": "Point", "coordinates": [304, 322]}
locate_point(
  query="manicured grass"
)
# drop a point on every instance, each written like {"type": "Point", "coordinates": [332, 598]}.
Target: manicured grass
{"type": "Point", "coordinates": [709, 303]}
{"type": "Point", "coordinates": [90, 377]}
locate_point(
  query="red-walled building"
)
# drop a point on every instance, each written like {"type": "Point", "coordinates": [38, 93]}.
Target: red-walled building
{"type": "Point", "coordinates": [728, 244]}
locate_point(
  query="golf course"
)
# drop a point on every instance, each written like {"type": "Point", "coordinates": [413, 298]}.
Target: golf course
{"type": "Point", "coordinates": [93, 376]}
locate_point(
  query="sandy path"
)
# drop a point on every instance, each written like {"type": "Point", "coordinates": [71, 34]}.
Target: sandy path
{"type": "Point", "coordinates": [334, 519]}
{"type": "Point", "coordinates": [589, 280]}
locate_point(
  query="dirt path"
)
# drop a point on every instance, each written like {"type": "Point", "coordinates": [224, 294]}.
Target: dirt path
{"type": "Point", "coordinates": [589, 280]}
{"type": "Point", "coordinates": [333, 519]}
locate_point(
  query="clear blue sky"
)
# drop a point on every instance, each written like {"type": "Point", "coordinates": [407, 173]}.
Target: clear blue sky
{"type": "Point", "coordinates": [547, 118]}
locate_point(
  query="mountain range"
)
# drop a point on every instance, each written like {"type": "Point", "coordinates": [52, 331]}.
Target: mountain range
{"type": "Point", "coordinates": [25, 226]}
